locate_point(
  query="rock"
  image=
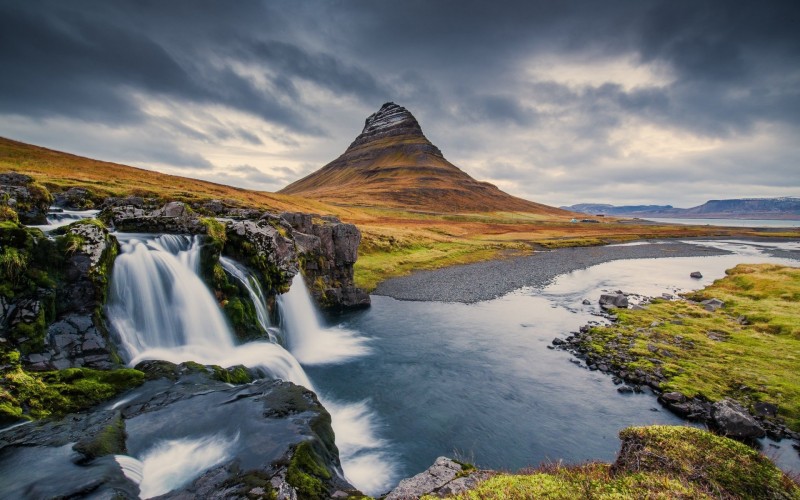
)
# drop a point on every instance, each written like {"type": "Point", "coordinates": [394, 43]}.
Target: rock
{"type": "Point", "coordinates": [26, 197]}
{"type": "Point", "coordinates": [625, 389]}
{"type": "Point", "coordinates": [586, 302]}
{"type": "Point", "coordinates": [558, 341]}
{"type": "Point", "coordinates": [611, 301]}
{"type": "Point", "coordinates": [258, 448]}
{"type": "Point", "coordinates": [712, 304]}
{"type": "Point", "coordinates": [695, 275]}
{"type": "Point", "coordinates": [435, 477]}
{"type": "Point", "coordinates": [732, 420]}
{"type": "Point", "coordinates": [765, 409]}
{"type": "Point", "coordinates": [74, 198]}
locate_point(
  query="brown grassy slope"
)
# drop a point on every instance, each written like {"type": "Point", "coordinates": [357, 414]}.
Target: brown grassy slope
{"type": "Point", "coordinates": [392, 164]}
{"type": "Point", "coordinates": [59, 171]}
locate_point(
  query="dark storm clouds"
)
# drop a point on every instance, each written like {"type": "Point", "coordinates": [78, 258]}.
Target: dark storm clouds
{"type": "Point", "coordinates": [311, 71]}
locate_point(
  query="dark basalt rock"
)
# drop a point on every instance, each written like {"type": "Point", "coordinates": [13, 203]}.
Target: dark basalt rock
{"type": "Point", "coordinates": [733, 420]}
{"type": "Point", "coordinates": [612, 301]}
{"type": "Point", "coordinates": [74, 455]}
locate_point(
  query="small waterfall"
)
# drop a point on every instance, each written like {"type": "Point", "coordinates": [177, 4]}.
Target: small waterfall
{"type": "Point", "coordinates": [57, 217]}
{"type": "Point", "coordinates": [161, 309]}
{"type": "Point", "coordinates": [157, 300]}
{"type": "Point", "coordinates": [307, 339]}
{"type": "Point", "coordinates": [172, 463]}
{"type": "Point", "coordinates": [253, 287]}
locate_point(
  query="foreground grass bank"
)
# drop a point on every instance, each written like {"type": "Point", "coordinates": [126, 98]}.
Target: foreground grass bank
{"type": "Point", "coordinates": [656, 462]}
{"type": "Point", "coordinates": [748, 349]}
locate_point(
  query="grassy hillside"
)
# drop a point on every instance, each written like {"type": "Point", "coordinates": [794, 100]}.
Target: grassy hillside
{"type": "Point", "coordinates": [396, 240]}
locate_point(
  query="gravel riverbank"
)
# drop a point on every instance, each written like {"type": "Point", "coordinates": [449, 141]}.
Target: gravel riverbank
{"type": "Point", "coordinates": [487, 280]}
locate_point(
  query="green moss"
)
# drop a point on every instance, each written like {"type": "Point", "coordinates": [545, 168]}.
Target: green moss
{"type": "Point", "coordinates": [234, 375]}
{"type": "Point", "coordinates": [720, 465]}
{"type": "Point", "coordinates": [657, 462]}
{"type": "Point", "coordinates": [713, 354]}
{"type": "Point", "coordinates": [253, 485]}
{"type": "Point", "coordinates": [110, 440]}
{"type": "Point", "coordinates": [306, 473]}
{"type": "Point", "coordinates": [31, 336]}
{"type": "Point", "coordinates": [39, 395]}
{"type": "Point", "coordinates": [8, 214]}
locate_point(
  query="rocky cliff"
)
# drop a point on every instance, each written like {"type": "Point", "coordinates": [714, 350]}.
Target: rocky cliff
{"type": "Point", "coordinates": [392, 163]}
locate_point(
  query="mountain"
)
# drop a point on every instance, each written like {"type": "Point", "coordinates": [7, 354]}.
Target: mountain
{"type": "Point", "coordinates": [741, 208]}
{"type": "Point", "coordinates": [392, 164]}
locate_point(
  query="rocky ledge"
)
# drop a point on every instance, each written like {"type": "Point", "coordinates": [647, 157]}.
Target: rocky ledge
{"type": "Point", "coordinates": [266, 439]}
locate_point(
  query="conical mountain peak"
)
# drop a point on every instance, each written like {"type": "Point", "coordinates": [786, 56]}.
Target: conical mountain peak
{"type": "Point", "coordinates": [392, 164]}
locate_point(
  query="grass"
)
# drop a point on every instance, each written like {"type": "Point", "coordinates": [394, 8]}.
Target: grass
{"type": "Point", "coordinates": [748, 350]}
{"type": "Point", "coordinates": [655, 462]}
{"type": "Point", "coordinates": [426, 239]}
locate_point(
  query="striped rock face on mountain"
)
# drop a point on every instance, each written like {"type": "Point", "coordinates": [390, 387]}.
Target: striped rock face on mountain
{"type": "Point", "coordinates": [392, 164]}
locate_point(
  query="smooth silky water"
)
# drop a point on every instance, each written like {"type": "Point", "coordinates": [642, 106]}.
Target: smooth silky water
{"type": "Point", "coordinates": [479, 382]}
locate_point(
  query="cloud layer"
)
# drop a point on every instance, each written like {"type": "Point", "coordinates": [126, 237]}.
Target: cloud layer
{"type": "Point", "coordinates": [560, 102]}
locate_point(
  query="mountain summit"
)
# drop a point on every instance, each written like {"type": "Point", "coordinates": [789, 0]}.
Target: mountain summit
{"type": "Point", "coordinates": [392, 164]}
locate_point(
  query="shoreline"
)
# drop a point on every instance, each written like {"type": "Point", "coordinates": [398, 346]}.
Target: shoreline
{"type": "Point", "coordinates": [487, 280]}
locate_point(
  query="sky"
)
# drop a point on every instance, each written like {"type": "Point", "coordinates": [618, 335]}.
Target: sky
{"type": "Point", "coordinates": [560, 102]}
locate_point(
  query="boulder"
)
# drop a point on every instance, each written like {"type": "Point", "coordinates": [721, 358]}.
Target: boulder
{"type": "Point", "coordinates": [695, 275]}
{"type": "Point", "coordinates": [733, 420]}
{"type": "Point", "coordinates": [74, 198]}
{"type": "Point", "coordinates": [27, 198]}
{"type": "Point", "coordinates": [442, 472]}
{"type": "Point", "coordinates": [612, 301]}
{"type": "Point", "coordinates": [712, 304]}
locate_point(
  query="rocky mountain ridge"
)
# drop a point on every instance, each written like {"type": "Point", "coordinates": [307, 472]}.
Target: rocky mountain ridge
{"type": "Point", "coordinates": [739, 208]}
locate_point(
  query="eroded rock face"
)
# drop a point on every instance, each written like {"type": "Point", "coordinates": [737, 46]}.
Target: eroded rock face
{"type": "Point", "coordinates": [174, 217]}
{"type": "Point", "coordinates": [26, 197]}
{"type": "Point", "coordinates": [259, 425]}
{"type": "Point", "coordinates": [328, 252]}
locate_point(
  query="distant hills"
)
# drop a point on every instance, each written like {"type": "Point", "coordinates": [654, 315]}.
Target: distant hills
{"type": "Point", "coordinates": [392, 164]}
{"type": "Point", "coordinates": [742, 208]}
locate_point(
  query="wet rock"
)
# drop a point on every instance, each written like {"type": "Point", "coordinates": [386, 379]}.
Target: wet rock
{"type": "Point", "coordinates": [733, 420]}
{"type": "Point", "coordinates": [765, 409]}
{"type": "Point", "coordinates": [586, 302]}
{"type": "Point", "coordinates": [258, 447]}
{"type": "Point", "coordinates": [625, 389]}
{"type": "Point", "coordinates": [695, 275]}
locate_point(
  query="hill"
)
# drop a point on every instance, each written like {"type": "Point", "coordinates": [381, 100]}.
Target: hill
{"type": "Point", "coordinates": [59, 171]}
{"type": "Point", "coordinates": [741, 208]}
{"type": "Point", "coordinates": [392, 164]}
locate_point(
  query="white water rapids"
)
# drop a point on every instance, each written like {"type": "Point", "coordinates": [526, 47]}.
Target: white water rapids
{"type": "Point", "coordinates": [161, 309]}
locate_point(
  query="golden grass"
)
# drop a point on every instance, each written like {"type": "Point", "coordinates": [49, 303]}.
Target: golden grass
{"type": "Point", "coordinates": [422, 239]}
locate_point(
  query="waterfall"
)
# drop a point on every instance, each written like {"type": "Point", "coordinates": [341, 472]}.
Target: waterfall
{"type": "Point", "coordinates": [157, 300]}
{"type": "Point", "coordinates": [159, 308]}
{"type": "Point", "coordinates": [253, 287]}
{"type": "Point", "coordinates": [307, 339]}
{"type": "Point", "coordinates": [57, 217]}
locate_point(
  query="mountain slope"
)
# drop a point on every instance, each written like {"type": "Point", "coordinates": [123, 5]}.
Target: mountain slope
{"type": "Point", "coordinates": [60, 171]}
{"type": "Point", "coordinates": [391, 163]}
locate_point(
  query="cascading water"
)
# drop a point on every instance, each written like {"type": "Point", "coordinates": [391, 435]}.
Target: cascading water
{"type": "Point", "coordinates": [253, 287]}
{"type": "Point", "coordinates": [355, 425]}
{"type": "Point", "coordinates": [307, 339]}
{"type": "Point", "coordinates": [157, 300]}
{"type": "Point", "coordinates": [161, 309]}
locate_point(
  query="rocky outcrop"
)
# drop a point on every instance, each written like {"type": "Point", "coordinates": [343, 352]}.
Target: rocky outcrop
{"type": "Point", "coordinates": [444, 478]}
{"type": "Point", "coordinates": [732, 420]}
{"type": "Point", "coordinates": [275, 247]}
{"type": "Point", "coordinates": [75, 198]}
{"type": "Point", "coordinates": [328, 250]}
{"type": "Point", "coordinates": [260, 430]}
{"type": "Point", "coordinates": [26, 197]}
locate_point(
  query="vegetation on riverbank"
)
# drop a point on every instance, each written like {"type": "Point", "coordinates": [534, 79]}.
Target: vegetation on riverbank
{"type": "Point", "coordinates": [747, 349]}
{"type": "Point", "coordinates": [656, 462]}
